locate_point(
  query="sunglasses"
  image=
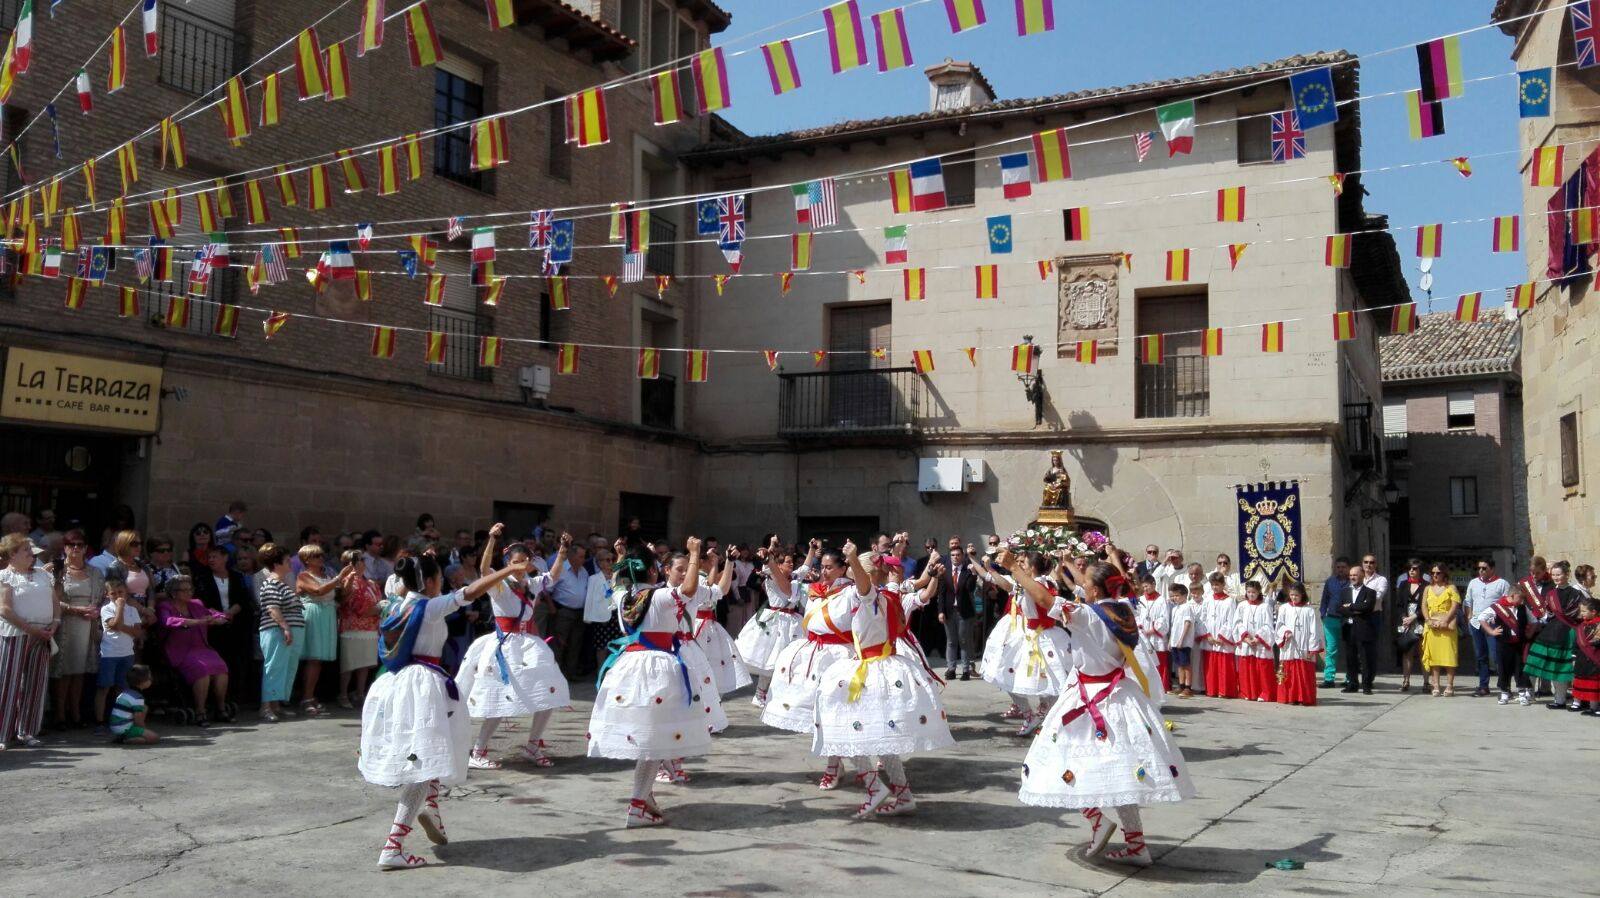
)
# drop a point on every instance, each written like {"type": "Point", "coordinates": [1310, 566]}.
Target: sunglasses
{"type": "Point", "coordinates": [76, 545]}
{"type": "Point", "coordinates": [1437, 573]}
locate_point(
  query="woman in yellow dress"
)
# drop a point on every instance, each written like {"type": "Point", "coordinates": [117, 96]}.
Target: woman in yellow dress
{"type": "Point", "coordinates": [1440, 601]}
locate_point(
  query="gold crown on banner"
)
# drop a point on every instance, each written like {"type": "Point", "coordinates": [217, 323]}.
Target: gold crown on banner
{"type": "Point", "coordinates": [1267, 507]}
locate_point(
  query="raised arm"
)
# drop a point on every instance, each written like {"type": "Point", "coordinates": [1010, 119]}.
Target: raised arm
{"type": "Point", "coordinates": [486, 560]}
{"type": "Point", "coordinates": [691, 577]}
{"type": "Point", "coordinates": [858, 572]}
{"type": "Point", "coordinates": [478, 587]}
{"type": "Point", "coordinates": [1018, 564]}
{"type": "Point", "coordinates": [562, 550]}
{"type": "Point", "coordinates": [725, 582]}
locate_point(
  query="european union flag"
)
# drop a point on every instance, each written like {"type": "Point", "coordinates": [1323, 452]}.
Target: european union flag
{"type": "Point", "coordinates": [1533, 93]}
{"type": "Point", "coordinates": [1314, 98]}
{"type": "Point", "coordinates": [561, 233]}
{"type": "Point", "coordinates": [999, 233]}
{"type": "Point", "coordinates": [99, 263]}
{"type": "Point", "coordinates": [408, 262]}
{"type": "Point", "coordinates": [705, 218]}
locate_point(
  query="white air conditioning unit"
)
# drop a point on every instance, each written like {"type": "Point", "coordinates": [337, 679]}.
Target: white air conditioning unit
{"type": "Point", "coordinates": [535, 379]}
{"type": "Point", "coordinates": [975, 471]}
{"type": "Point", "coordinates": [941, 475]}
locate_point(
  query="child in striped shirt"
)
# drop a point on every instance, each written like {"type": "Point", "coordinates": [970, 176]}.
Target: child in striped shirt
{"type": "Point", "coordinates": [127, 712]}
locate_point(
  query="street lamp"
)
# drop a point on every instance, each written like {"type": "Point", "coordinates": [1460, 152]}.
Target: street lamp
{"type": "Point", "coordinates": [1033, 379]}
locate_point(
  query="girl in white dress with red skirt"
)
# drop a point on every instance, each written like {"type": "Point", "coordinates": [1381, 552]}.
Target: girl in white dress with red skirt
{"type": "Point", "coordinates": [727, 666]}
{"type": "Point", "coordinates": [1031, 662]}
{"type": "Point", "coordinates": [414, 727]}
{"type": "Point", "coordinates": [778, 623]}
{"type": "Point", "coordinates": [1104, 744]}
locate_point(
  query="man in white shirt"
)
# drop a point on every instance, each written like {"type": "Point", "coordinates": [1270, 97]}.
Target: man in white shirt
{"type": "Point", "coordinates": [1167, 571]}
{"type": "Point", "coordinates": [1483, 591]}
{"type": "Point", "coordinates": [1375, 581]}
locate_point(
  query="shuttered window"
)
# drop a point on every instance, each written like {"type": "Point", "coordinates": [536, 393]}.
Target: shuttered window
{"type": "Point", "coordinates": [1394, 418]}
{"type": "Point", "coordinates": [1462, 413]}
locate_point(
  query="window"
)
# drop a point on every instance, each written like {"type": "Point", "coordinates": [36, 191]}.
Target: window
{"type": "Point", "coordinates": [661, 180]}
{"type": "Point", "coordinates": [1394, 417]}
{"type": "Point", "coordinates": [1569, 449]}
{"type": "Point", "coordinates": [156, 297]}
{"type": "Point", "coordinates": [560, 165]}
{"type": "Point", "coordinates": [1255, 139]}
{"type": "Point", "coordinates": [521, 517]}
{"type": "Point", "coordinates": [1462, 411]}
{"type": "Point", "coordinates": [950, 95]}
{"type": "Point", "coordinates": [197, 44]}
{"type": "Point", "coordinates": [1180, 386]}
{"type": "Point", "coordinates": [958, 179]}
{"type": "Point", "coordinates": [652, 511]}
{"type": "Point", "coordinates": [856, 395]}
{"type": "Point", "coordinates": [658, 397]}
{"type": "Point", "coordinates": [631, 23]}
{"type": "Point", "coordinates": [457, 97]}
{"type": "Point", "coordinates": [688, 43]}
{"type": "Point", "coordinates": [1463, 496]}
{"type": "Point", "coordinates": [663, 22]}
{"type": "Point", "coordinates": [460, 320]}
{"type": "Point", "coordinates": [545, 319]}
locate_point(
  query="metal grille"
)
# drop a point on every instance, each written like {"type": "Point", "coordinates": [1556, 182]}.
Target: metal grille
{"type": "Point", "coordinates": [882, 401]}
{"type": "Point", "coordinates": [462, 330]}
{"type": "Point", "coordinates": [663, 254]}
{"type": "Point", "coordinates": [223, 289]}
{"type": "Point", "coordinates": [1179, 387]}
{"type": "Point", "coordinates": [455, 100]}
{"type": "Point", "coordinates": [658, 402]}
{"type": "Point", "coordinates": [196, 53]}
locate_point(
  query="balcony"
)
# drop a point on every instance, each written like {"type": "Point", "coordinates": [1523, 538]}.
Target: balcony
{"type": "Point", "coordinates": [1360, 438]}
{"type": "Point", "coordinates": [884, 402]}
{"type": "Point", "coordinates": [1179, 387]}
{"type": "Point", "coordinates": [197, 54]}
{"type": "Point", "coordinates": [1396, 446]}
{"type": "Point", "coordinates": [658, 402]}
{"type": "Point", "coordinates": [662, 257]}
{"type": "Point", "coordinates": [222, 289]}
{"type": "Point", "coordinates": [462, 330]}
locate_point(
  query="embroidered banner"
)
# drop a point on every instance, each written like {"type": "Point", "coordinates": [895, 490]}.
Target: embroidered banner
{"type": "Point", "coordinates": [1269, 528]}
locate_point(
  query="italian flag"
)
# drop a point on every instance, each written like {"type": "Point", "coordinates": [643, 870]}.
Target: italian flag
{"type": "Point", "coordinates": [24, 31]}
{"type": "Point", "coordinates": [1177, 126]}
{"type": "Point", "coordinates": [85, 92]}
{"type": "Point", "coordinates": [483, 245]}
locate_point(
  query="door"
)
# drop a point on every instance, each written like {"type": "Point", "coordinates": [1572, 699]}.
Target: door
{"type": "Point", "coordinates": [652, 511]}
{"type": "Point", "coordinates": [75, 475]}
{"type": "Point", "coordinates": [520, 518]}
{"type": "Point", "coordinates": [834, 530]}
{"type": "Point", "coordinates": [857, 397]}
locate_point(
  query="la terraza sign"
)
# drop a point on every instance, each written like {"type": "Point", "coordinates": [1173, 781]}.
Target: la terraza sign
{"type": "Point", "coordinates": [81, 391]}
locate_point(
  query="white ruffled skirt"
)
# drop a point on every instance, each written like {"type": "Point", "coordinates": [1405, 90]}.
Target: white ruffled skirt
{"type": "Point", "coordinates": [727, 667]}
{"type": "Point", "coordinates": [898, 711]}
{"type": "Point", "coordinates": [642, 712]}
{"type": "Point", "coordinates": [412, 731]}
{"type": "Point", "coordinates": [535, 683]}
{"type": "Point", "coordinates": [704, 681]}
{"type": "Point", "coordinates": [1015, 667]}
{"type": "Point", "coordinates": [765, 636]}
{"type": "Point", "coordinates": [792, 698]}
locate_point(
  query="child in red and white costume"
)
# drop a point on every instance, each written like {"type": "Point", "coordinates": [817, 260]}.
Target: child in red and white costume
{"type": "Point", "coordinates": [1299, 644]}
{"type": "Point", "coordinates": [1155, 623]}
{"type": "Point", "coordinates": [1256, 632]}
{"type": "Point", "coordinates": [779, 623]}
{"type": "Point", "coordinates": [1215, 626]}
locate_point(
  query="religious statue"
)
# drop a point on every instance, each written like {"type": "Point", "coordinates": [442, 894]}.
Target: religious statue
{"type": "Point", "coordinates": [1057, 505]}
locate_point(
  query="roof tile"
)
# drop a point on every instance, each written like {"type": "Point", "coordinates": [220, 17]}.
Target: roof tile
{"type": "Point", "coordinates": [1441, 346]}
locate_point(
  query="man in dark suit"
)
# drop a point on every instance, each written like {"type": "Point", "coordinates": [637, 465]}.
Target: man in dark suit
{"type": "Point", "coordinates": [958, 613]}
{"type": "Point", "coordinates": [1362, 623]}
{"type": "Point", "coordinates": [1152, 560]}
{"type": "Point", "coordinates": [224, 589]}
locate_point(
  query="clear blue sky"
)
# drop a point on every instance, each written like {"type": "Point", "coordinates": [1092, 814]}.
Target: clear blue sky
{"type": "Point", "coordinates": [1102, 45]}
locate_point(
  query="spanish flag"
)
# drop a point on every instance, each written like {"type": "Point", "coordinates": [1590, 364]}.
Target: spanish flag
{"type": "Point", "coordinates": [1545, 169]}
{"type": "Point", "coordinates": [668, 101]}
{"type": "Point", "coordinates": [388, 171]}
{"type": "Point", "coordinates": [610, 280]}
{"type": "Point", "coordinates": [489, 146]}
{"type": "Point", "coordinates": [1045, 268]}
{"type": "Point", "coordinates": [501, 14]}
{"type": "Point", "coordinates": [711, 80]}
{"type": "Point", "coordinates": [800, 252]}
{"type": "Point", "coordinates": [847, 44]}
{"type": "Point", "coordinates": [371, 35]}
{"type": "Point", "coordinates": [309, 70]}
{"type": "Point", "coordinates": [782, 70]}
{"type": "Point", "coordinates": [235, 110]}
{"type": "Point", "coordinates": [697, 366]}
{"type": "Point", "coordinates": [493, 290]}
{"type": "Point", "coordinates": [116, 223]}
{"type": "Point", "coordinates": [271, 112]}
{"type": "Point", "coordinates": [128, 165]}
{"type": "Point", "coordinates": [972, 355]}
{"type": "Point", "coordinates": [436, 347]}
{"type": "Point", "coordinates": [559, 299]}
{"type": "Point", "coordinates": [900, 190]}
{"type": "Point", "coordinates": [1522, 297]}
{"type": "Point", "coordinates": [255, 204]}
{"type": "Point", "coordinates": [317, 186]}
{"type": "Point", "coordinates": [922, 360]}
{"type": "Point", "coordinates": [69, 231]}
{"type": "Point", "coordinates": [785, 281]}
{"type": "Point", "coordinates": [207, 207]}
{"type": "Point", "coordinates": [964, 14]}
{"type": "Point", "coordinates": [916, 283]}
{"type": "Point", "coordinates": [1152, 349]}
{"type": "Point", "coordinates": [1584, 225]}
{"type": "Point", "coordinates": [1076, 224]}
{"type": "Point", "coordinates": [1230, 204]}
{"type": "Point", "coordinates": [771, 357]}
{"type": "Point", "coordinates": [291, 242]}
{"type": "Point", "coordinates": [274, 323]}
{"type": "Point", "coordinates": [894, 49]}
{"type": "Point", "coordinates": [988, 278]}
{"type": "Point", "coordinates": [88, 180]}
{"type": "Point", "coordinates": [1087, 352]}
{"type": "Point", "coordinates": [355, 180]}
{"type": "Point", "coordinates": [1272, 337]}
{"type": "Point", "coordinates": [1211, 341]}
{"type": "Point", "coordinates": [1403, 319]}
{"type": "Point", "coordinates": [567, 359]}
{"type": "Point", "coordinates": [586, 118]}
{"type": "Point", "coordinates": [224, 197]}
{"type": "Point", "coordinates": [818, 356]}
{"type": "Point", "coordinates": [1022, 358]}
{"type": "Point", "coordinates": [227, 321]}
{"type": "Point", "coordinates": [363, 285]}
{"type": "Point", "coordinates": [288, 194]}
{"type": "Point", "coordinates": [172, 144]}
{"type": "Point", "coordinates": [649, 363]}
{"type": "Point", "coordinates": [1052, 160]}
{"type": "Point", "coordinates": [413, 147]}
{"type": "Point", "coordinates": [1235, 251]}
{"type": "Point", "coordinates": [1430, 241]}
{"type": "Point", "coordinates": [1467, 307]}
{"type": "Point", "coordinates": [1177, 265]}
{"type": "Point", "coordinates": [488, 352]}
{"type": "Point", "coordinates": [421, 38]}
{"type": "Point", "coordinates": [177, 310]}
{"type": "Point", "coordinates": [1507, 233]}
{"type": "Point", "coordinates": [77, 291]}
{"type": "Point", "coordinates": [159, 222]}
{"type": "Point", "coordinates": [128, 303]}
{"type": "Point", "coordinates": [1336, 253]}
{"type": "Point", "coordinates": [434, 294]}
{"type": "Point", "coordinates": [117, 72]}
{"type": "Point", "coordinates": [720, 281]}
{"type": "Point", "coordinates": [338, 73]}
{"type": "Point", "coordinates": [1344, 326]}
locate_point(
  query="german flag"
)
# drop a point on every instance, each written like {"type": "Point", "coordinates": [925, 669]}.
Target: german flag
{"type": "Point", "coordinates": [128, 303]}
{"type": "Point", "coordinates": [1336, 252]}
{"type": "Point", "coordinates": [1211, 341]}
{"type": "Point", "coordinates": [77, 291]}
{"type": "Point", "coordinates": [1022, 358]}
{"type": "Point", "coordinates": [1344, 326]}
{"type": "Point", "coordinates": [271, 111]}
{"type": "Point", "coordinates": [437, 342]}
{"type": "Point", "coordinates": [1430, 241]}
{"type": "Point", "coordinates": [916, 283]}
{"type": "Point", "coordinates": [309, 66]}
{"type": "Point", "coordinates": [1507, 234]}
{"type": "Point", "coordinates": [1177, 265]}
{"type": "Point", "coordinates": [1076, 222]}
{"type": "Point", "coordinates": [922, 360]}
{"type": "Point", "coordinates": [1467, 307]}
{"type": "Point", "coordinates": [388, 171]}
{"type": "Point", "coordinates": [338, 66]}
{"type": "Point", "coordinates": [1272, 337]}
{"type": "Point", "coordinates": [488, 352]}
{"type": "Point", "coordinates": [649, 363]}
{"type": "Point", "coordinates": [560, 300]}
{"type": "Point", "coordinates": [697, 366]}
{"type": "Point", "coordinates": [1152, 349]}
{"type": "Point", "coordinates": [434, 294]}
{"type": "Point", "coordinates": [227, 323]}
{"type": "Point", "coordinates": [567, 359]}
{"type": "Point", "coordinates": [1522, 297]}
{"type": "Point", "coordinates": [1087, 352]}
{"type": "Point", "coordinates": [988, 281]}
{"type": "Point", "coordinates": [1403, 318]}
{"type": "Point", "coordinates": [1230, 204]}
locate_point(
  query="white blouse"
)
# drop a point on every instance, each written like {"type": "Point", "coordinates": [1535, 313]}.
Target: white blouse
{"type": "Point", "coordinates": [32, 598]}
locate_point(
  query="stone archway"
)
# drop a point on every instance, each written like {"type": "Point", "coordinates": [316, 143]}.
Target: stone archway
{"type": "Point", "coordinates": [1132, 505]}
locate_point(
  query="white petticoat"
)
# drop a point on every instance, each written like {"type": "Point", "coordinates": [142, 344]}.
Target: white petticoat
{"type": "Point", "coordinates": [412, 731]}
{"type": "Point", "coordinates": [897, 713]}
{"type": "Point", "coordinates": [641, 711]}
{"type": "Point", "coordinates": [727, 667]}
{"type": "Point", "coordinates": [1136, 763]}
{"type": "Point", "coordinates": [536, 682]}
{"type": "Point", "coordinates": [792, 699]}
{"type": "Point", "coordinates": [765, 636]}
{"type": "Point", "coordinates": [703, 681]}
{"type": "Point", "coordinates": [1011, 664]}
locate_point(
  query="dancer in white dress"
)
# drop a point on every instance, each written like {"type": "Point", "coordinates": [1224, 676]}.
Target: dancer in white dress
{"type": "Point", "coordinates": [727, 666]}
{"type": "Point", "coordinates": [695, 597]}
{"type": "Point", "coordinates": [882, 702]}
{"type": "Point", "coordinates": [777, 624]}
{"type": "Point", "coordinates": [1104, 743]}
{"type": "Point", "coordinates": [1028, 661]}
{"type": "Point", "coordinates": [414, 729]}
{"type": "Point", "coordinates": [650, 708]}
{"type": "Point", "coordinates": [512, 672]}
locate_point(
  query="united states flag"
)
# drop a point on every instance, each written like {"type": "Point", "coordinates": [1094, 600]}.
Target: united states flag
{"type": "Point", "coordinates": [1288, 141]}
{"type": "Point", "coordinates": [143, 264]}
{"type": "Point", "coordinates": [824, 209]}
{"type": "Point", "coordinates": [452, 227]}
{"type": "Point", "coordinates": [272, 262]}
{"type": "Point", "coordinates": [1141, 144]}
{"type": "Point", "coordinates": [632, 268]}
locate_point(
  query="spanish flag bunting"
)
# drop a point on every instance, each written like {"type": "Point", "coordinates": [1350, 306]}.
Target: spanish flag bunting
{"type": "Point", "coordinates": [964, 14]}
{"type": "Point", "coordinates": [559, 299]}
{"type": "Point", "coordinates": [667, 99]}
{"type": "Point", "coordinates": [50, 198]}
{"type": "Point", "coordinates": [1336, 252]}
{"type": "Point", "coordinates": [697, 366]}
{"type": "Point", "coordinates": [1336, 180]}
{"type": "Point", "coordinates": [227, 321]}
{"type": "Point", "coordinates": [1152, 349]}
{"type": "Point", "coordinates": [915, 281]}
{"type": "Point", "coordinates": [1545, 169]}
{"type": "Point", "coordinates": [785, 281]}
{"type": "Point", "coordinates": [1344, 326]}
{"type": "Point", "coordinates": [1022, 358]}
{"type": "Point", "coordinates": [172, 145]}
{"type": "Point", "coordinates": [879, 353]}
{"type": "Point", "coordinates": [207, 208]}
{"type": "Point", "coordinates": [1230, 204]}
{"type": "Point", "coordinates": [493, 290]}
{"type": "Point", "coordinates": [894, 48]}
{"type": "Point", "coordinates": [338, 66]}
{"type": "Point", "coordinates": [663, 281]}
{"type": "Point", "coordinates": [1045, 268]}
{"type": "Point", "coordinates": [1177, 265]}
{"type": "Point", "coordinates": [1507, 233]}
{"type": "Point", "coordinates": [972, 355]}
{"type": "Point", "coordinates": [1403, 318]}
{"type": "Point", "coordinates": [271, 111]}
{"type": "Point", "coordinates": [900, 190]}
{"type": "Point", "coordinates": [310, 69]}
{"type": "Point", "coordinates": [355, 180]}
{"type": "Point", "coordinates": [274, 323]}
{"type": "Point", "coordinates": [567, 359]}
{"type": "Point", "coordinates": [235, 110]}
{"type": "Point", "coordinates": [988, 281]}
{"type": "Point", "coordinates": [318, 188]}
{"type": "Point", "coordinates": [1463, 165]}
{"type": "Point", "coordinates": [77, 290]}
{"type": "Point", "coordinates": [383, 342]}
{"type": "Point", "coordinates": [363, 285]}
{"type": "Point", "coordinates": [117, 73]}
{"type": "Point", "coordinates": [610, 280]}
{"type": "Point", "coordinates": [1211, 341]}
{"type": "Point", "coordinates": [1584, 224]}
{"type": "Point", "coordinates": [388, 171]}
{"type": "Point", "coordinates": [649, 363]}
{"type": "Point", "coordinates": [720, 281]}
{"type": "Point", "coordinates": [922, 360]}
{"type": "Point", "coordinates": [160, 221]}
{"type": "Point", "coordinates": [1076, 223]}
{"type": "Point", "coordinates": [255, 275]}
{"type": "Point", "coordinates": [1272, 337]}
{"type": "Point", "coordinates": [1235, 251]}
{"type": "Point", "coordinates": [371, 36]}
{"type": "Point", "coordinates": [434, 294]}
{"type": "Point", "coordinates": [421, 38]}
{"type": "Point", "coordinates": [782, 70]}
{"type": "Point", "coordinates": [290, 238]}
{"type": "Point", "coordinates": [288, 194]}
{"type": "Point", "coordinates": [800, 252]}
{"type": "Point", "coordinates": [255, 204]}
{"type": "Point", "coordinates": [847, 43]}
{"type": "Point", "coordinates": [617, 220]}
{"type": "Point", "coordinates": [771, 356]}
{"type": "Point", "coordinates": [412, 143]}
{"type": "Point", "coordinates": [1467, 307]}
{"type": "Point", "coordinates": [8, 69]}
{"type": "Point", "coordinates": [1035, 17]}
{"type": "Point", "coordinates": [1430, 241]}
{"type": "Point", "coordinates": [818, 356]}
{"type": "Point", "coordinates": [586, 118]}
{"type": "Point", "coordinates": [116, 223]}
{"type": "Point", "coordinates": [128, 165]}
{"type": "Point", "coordinates": [860, 275]}
{"type": "Point", "coordinates": [224, 197]}
{"type": "Point", "coordinates": [1052, 159]}
{"type": "Point", "coordinates": [177, 310]}
{"type": "Point", "coordinates": [501, 13]}
{"type": "Point", "coordinates": [128, 302]}
{"type": "Point", "coordinates": [489, 146]}
{"type": "Point", "coordinates": [711, 80]}
{"type": "Point", "coordinates": [88, 180]}
{"type": "Point", "coordinates": [1086, 352]}
{"type": "Point", "coordinates": [437, 342]}
{"type": "Point", "coordinates": [488, 352]}
{"type": "Point", "coordinates": [69, 231]}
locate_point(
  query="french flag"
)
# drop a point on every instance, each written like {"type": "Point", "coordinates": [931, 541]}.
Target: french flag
{"type": "Point", "coordinates": [337, 263]}
{"type": "Point", "coordinates": [151, 32]}
{"type": "Point", "coordinates": [1016, 176]}
{"type": "Point", "coordinates": [927, 185]}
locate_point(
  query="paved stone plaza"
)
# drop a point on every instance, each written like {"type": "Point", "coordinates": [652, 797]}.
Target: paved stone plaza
{"type": "Point", "coordinates": [1384, 794]}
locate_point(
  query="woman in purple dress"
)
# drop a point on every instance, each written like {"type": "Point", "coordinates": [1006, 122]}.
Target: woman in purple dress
{"type": "Point", "coordinates": [185, 621]}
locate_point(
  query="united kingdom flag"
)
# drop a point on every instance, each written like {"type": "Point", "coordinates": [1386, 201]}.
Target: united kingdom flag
{"type": "Point", "coordinates": [1585, 32]}
{"type": "Point", "coordinates": [730, 221]}
{"type": "Point", "coordinates": [1288, 141]}
{"type": "Point", "coordinates": [539, 228]}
